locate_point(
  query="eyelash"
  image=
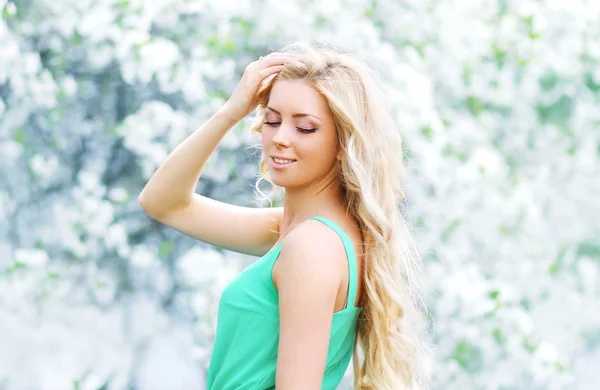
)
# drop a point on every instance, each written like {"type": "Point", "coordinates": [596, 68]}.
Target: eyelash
{"type": "Point", "coordinates": [302, 130]}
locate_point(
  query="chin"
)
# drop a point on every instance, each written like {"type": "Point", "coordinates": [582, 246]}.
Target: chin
{"type": "Point", "coordinates": [279, 182]}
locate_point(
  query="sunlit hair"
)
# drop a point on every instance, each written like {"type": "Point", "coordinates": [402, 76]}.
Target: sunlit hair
{"type": "Point", "coordinates": [391, 351]}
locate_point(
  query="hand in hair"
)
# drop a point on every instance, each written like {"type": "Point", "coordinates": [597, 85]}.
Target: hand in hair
{"type": "Point", "coordinates": [243, 100]}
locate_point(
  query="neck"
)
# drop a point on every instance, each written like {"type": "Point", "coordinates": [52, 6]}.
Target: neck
{"type": "Point", "coordinates": [302, 203]}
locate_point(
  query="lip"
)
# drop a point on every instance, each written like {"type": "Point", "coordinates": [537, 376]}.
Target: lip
{"type": "Point", "coordinates": [277, 165]}
{"type": "Point", "coordinates": [282, 157]}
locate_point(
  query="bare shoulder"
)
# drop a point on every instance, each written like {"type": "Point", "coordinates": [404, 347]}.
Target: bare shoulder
{"type": "Point", "coordinates": [310, 249]}
{"type": "Point", "coordinates": [308, 275]}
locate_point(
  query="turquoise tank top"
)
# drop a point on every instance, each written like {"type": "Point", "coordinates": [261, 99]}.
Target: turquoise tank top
{"type": "Point", "coordinates": [244, 355]}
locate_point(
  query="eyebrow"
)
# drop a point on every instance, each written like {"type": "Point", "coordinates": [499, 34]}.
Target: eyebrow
{"type": "Point", "coordinates": [298, 115]}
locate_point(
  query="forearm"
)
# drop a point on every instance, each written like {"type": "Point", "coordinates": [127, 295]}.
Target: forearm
{"type": "Point", "coordinates": [174, 182]}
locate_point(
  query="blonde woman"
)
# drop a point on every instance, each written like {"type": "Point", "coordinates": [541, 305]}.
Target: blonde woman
{"type": "Point", "coordinates": [338, 274]}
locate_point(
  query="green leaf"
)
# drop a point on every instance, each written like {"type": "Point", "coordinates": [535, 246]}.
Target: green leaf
{"type": "Point", "coordinates": [104, 385]}
{"type": "Point", "coordinates": [548, 81]}
{"type": "Point", "coordinates": [475, 105]}
{"type": "Point", "coordinates": [529, 343]}
{"type": "Point", "coordinates": [558, 113]}
{"type": "Point", "coordinates": [165, 248]}
{"type": "Point", "coordinates": [588, 248]}
{"type": "Point", "coordinates": [499, 55]}
{"type": "Point", "coordinates": [468, 356]}
{"type": "Point", "coordinates": [427, 131]}
{"type": "Point", "coordinates": [590, 82]}
{"type": "Point", "coordinates": [123, 4]}
{"type": "Point", "coordinates": [449, 230]}
{"type": "Point", "coordinates": [534, 36]}
{"type": "Point", "coordinates": [14, 267]}
{"type": "Point", "coordinates": [493, 312]}
{"type": "Point", "coordinates": [494, 294]}
{"type": "Point", "coordinates": [498, 336]}
{"type": "Point", "coordinates": [554, 267]}
{"type": "Point", "coordinates": [245, 25]}
{"type": "Point", "coordinates": [20, 136]}
{"type": "Point", "coordinates": [9, 10]}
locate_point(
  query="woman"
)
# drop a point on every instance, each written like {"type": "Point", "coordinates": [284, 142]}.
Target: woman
{"type": "Point", "coordinates": [338, 264]}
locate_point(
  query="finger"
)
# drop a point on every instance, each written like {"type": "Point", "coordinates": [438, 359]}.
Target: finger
{"type": "Point", "coordinates": [264, 73]}
{"type": "Point", "coordinates": [280, 55]}
{"type": "Point", "coordinates": [267, 62]}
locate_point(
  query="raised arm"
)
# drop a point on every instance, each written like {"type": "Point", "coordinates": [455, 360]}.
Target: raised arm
{"type": "Point", "coordinates": [169, 196]}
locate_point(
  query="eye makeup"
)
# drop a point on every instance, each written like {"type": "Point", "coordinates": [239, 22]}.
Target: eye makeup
{"type": "Point", "coordinates": [301, 129]}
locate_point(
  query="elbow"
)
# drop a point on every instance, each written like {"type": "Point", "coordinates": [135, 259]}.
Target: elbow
{"type": "Point", "coordinates": [146, 204]}
{"type": "Point", "coordinates": [156, 207]}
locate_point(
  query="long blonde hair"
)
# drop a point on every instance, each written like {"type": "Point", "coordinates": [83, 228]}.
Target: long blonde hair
{"type": "Point", "coordinates": [391, 327]}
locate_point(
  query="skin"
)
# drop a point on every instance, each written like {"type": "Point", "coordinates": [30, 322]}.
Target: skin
{"type": "Point", "coordinates": [313, 178]}
{"type": "Point", "coordinates": [311, 273]}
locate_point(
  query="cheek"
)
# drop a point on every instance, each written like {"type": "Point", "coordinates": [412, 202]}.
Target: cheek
{"type": "Point", "coordinates": [265, 137]}
{"type": "Point", "coordinates": [323, 156]}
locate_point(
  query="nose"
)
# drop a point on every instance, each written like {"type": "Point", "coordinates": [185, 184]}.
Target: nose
{"type": "Point", "coordinates": [282, 135]}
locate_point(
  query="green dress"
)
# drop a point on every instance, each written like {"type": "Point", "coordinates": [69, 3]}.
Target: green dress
{"type": "Point", "coordinates": [244, 355]}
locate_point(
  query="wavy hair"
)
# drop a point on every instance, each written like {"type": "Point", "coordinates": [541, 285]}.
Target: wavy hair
{"type": "Point", "coordinates": [391, 330]}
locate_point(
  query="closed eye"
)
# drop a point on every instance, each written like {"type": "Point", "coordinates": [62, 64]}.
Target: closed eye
{"type": "Point", "coordinates": [301, 129]}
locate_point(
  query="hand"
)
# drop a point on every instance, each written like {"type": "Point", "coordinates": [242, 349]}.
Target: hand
{"type": "Point", "coordinates": [243, 100]}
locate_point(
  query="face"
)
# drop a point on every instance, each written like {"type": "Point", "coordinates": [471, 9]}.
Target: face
{"type": "Point", "coordinates": [299, 128]}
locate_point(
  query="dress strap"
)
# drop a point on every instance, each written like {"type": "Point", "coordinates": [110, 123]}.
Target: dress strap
{"type": "Point", "coordinates": [350, 256]}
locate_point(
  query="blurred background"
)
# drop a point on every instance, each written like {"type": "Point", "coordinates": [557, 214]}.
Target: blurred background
{"type": "Point", "coordinates": [498, 104]}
